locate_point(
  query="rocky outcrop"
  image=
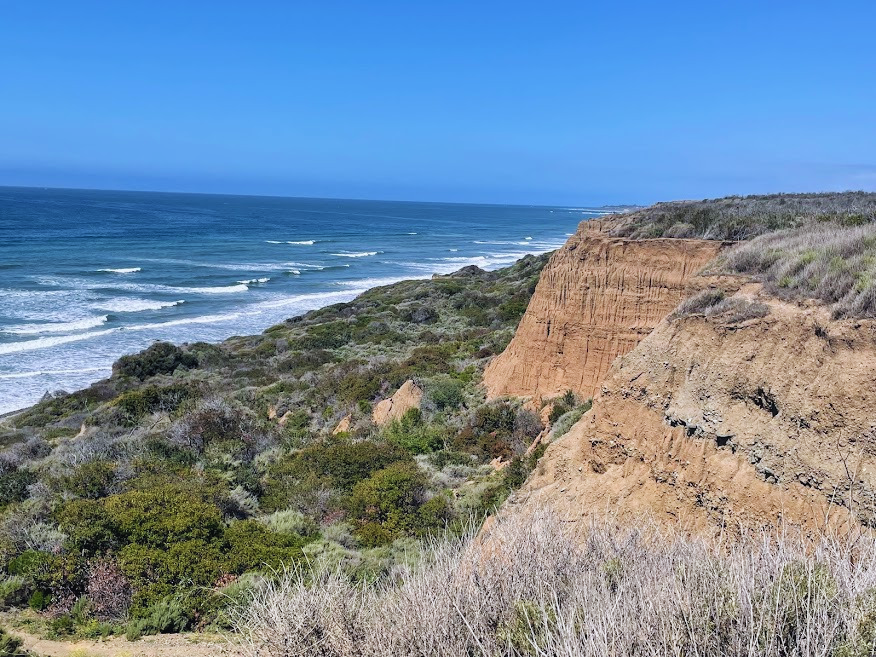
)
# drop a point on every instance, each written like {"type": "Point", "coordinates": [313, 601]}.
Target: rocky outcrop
{"type": "Point", "coordinates": [408, 396]}
{"type": "Point", "coordinates": [717, 423]}
{"type": "Point", "coordinates": [344, 425]}
{"type": "Point", "coordinates": [597, 298]}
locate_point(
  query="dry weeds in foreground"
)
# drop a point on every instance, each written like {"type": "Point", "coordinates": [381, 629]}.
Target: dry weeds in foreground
{"type": "Point", "coordinates": [534, 588]}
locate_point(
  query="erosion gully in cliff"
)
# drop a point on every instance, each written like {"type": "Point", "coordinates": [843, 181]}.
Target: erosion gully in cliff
{"type": "Point", "coordinates": [597, 298]}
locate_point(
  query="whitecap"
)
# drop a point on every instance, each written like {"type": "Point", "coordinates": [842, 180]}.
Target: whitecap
{"type": "Point", "coordinates": [294, 272]}
{"type": "Point", "coordinates": [122, 305]}
{"type": "Point", "coordinates": [312, 300]}
{"type": "Point", "coordinates": [56, 327]}
{"type": "Point", "coordinates": [226, 289]}
{"type": "Point", "coordinates": [362, 254]}
{"type": "Point", "coordinates": [367, 283]}
{"type": "Point", "coordinates": [28, 375]}
{"type": "Point", "coordinates": [273, 242]}
{"type": "Point", "coordinates": [254, 281]}
{"type": "Point", "coordinates": [123, 270]}
{"type": "Point", "coordinates": [303, 242]}
{"type": "Point", "coordinates": [43, 343]}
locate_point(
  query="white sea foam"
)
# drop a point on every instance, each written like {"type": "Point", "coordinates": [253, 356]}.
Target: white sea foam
{"type": "Point", "coordinates": [454, 250]}
{"type": "Point", "coordinates": [273, 242]}
{"type": "Point", "coordinates": [122, 305]}
{"type": "Point", "coordinates": [368, 283]}
{"type": "Point", "coordinates": [254, 281]}
{"type": "Point", "coordinates": [227, 289]}
{"type": "Point", "coordinates": [203, 319]}
{"type": "Point", "coordinates": [29, 375]}
{"type": "Point", "coordinates": [84, 284]}
{"type": "Point", "coordinates": [303, 242]}
{"type": "Point", "coordinates": [124, 270]}
{"type": "Point", "coordinates": [43, 343]}
{"type": "Point", "coordinates": [56, 327]}
{"type": "Point", "coordinates": [313, 300]}
{"type": "Point", "coordinates": [527, 238]}
{"type": "Point", "coordinates": [361, 254]}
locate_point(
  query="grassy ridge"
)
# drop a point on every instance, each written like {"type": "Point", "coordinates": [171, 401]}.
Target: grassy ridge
{"type": "Point", "coordinates": [744, 217]}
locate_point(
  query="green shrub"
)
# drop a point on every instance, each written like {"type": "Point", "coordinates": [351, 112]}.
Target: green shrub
{"type": "Point", "coordinates": [89, 528]}
{"type": "Point", "coordinates": [163, 517]}
{"type": "Point", "coordinates": [39, 600]}
{"type": "Point", "coordinates": [135, 404]}
{"type": "Point", "coordinates": [390, 497]}
{"type": "Point", "coordinates": [291, 522]}
{"type": "Point", "coordinates": [91, 480]}
{"type": "Point", "coordinates": [446, 393]}
{"type": "Point", "coordinates": [169, 614]}
{"type": "Point", "coordinates": [11, 646]}
{"type": "Point", "coordinates": [340, 465]}
{"type": "Point", "coordinates": [513, 309]}
{"type": "Point", "coordinates": [324, 336]}
{"type": "Point", "coordinates": [299, 362]}
{"type": "Point", "coordinates": [12, 591]}
{"type": "Point", "coordinates": [14, 485]}
{"type": "Point", "coordinates": [252, 546]}
{"type": "Point", "coordinates": [413, 435]}
{"type": "Point", "coordinates": [160, 358]}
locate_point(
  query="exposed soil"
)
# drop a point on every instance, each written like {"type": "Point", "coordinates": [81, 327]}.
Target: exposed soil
{"type": "Point", "coordinates": [164, 645]}
{"type": "Point", "coordinates": [597, 298]}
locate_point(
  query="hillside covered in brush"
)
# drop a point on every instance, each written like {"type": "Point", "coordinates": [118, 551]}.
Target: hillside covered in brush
{"type": "Point", "coordinates": [148, 501]}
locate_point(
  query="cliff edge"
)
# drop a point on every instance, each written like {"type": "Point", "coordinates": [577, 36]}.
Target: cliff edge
{"type": "Point", "coordinates": [727, 418]}
{"type": "Point", "coordinates": [597, 298]}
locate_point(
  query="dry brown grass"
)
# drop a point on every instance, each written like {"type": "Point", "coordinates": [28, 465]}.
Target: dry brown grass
{"type": "Point", "coordinates": [832, 263]}
{"type": "Point", "coordinates": [540, 586]}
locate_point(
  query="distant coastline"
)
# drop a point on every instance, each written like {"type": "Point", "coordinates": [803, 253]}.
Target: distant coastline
{"type": "Point", "coordinates": [188, 268]}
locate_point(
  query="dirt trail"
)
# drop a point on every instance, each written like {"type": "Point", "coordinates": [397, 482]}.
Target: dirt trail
{"type": "Point", "coordinates": [164, 645]}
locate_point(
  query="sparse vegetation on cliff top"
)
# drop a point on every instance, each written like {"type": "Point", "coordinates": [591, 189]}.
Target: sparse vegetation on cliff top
{"type": "Point", "coordinates": [832, 263]}
{"type": "Point", "coordinates": [744, 217]}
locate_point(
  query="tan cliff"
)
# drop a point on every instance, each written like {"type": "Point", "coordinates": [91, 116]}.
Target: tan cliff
{"type": "Point", "coordinates": [715, 423]}
{"type": "Point", "coordinates": [597, 298]}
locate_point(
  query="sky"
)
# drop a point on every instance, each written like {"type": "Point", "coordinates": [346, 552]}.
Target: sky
{"type": "Point", "coordinates": [500, 102]}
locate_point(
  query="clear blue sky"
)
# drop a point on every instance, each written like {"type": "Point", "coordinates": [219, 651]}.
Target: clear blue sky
{"type": "Point", "coordinates": [535, 102]}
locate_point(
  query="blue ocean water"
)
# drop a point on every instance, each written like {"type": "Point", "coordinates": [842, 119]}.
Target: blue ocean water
{"type": "Point", "coordinates": [86, 276]}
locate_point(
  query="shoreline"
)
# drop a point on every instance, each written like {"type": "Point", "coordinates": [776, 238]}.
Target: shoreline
{"type": "Point", "coordinates": [7, 415]}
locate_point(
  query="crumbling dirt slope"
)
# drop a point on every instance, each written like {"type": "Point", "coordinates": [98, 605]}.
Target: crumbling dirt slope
{"type": "Point", "coordinates": [721, 425]}
{"type": "Point", "coordinates": [597, 298]}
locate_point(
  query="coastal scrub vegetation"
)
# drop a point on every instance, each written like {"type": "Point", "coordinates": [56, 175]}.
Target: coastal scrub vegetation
{"type": "Point", "coordinates": [546, 585]}
{"type": "Point", "coordinates": [833, 263]}
{"type": "Point", "coordinates": [154, 500]}
{"type": "Point", "coordinates": [745, 217]}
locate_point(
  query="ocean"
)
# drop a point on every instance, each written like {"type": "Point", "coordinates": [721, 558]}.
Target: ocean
{"type": "Point", "coordinates": [87, 276]}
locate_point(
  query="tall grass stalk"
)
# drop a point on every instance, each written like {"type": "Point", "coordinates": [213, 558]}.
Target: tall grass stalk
{"type": "Point", "coordinates": [540, 586]}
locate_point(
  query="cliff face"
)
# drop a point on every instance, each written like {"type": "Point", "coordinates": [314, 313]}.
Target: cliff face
{"type": "Point", "coordinates": [597, 298]}
{"type": "Point", "coordinates": [720, 422]}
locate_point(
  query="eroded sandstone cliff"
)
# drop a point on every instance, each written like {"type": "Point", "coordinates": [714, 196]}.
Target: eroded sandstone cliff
{"type": "Point", "coordinates": [718, 422]}
{"type": "Point", "coordinates": [597, 298]}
